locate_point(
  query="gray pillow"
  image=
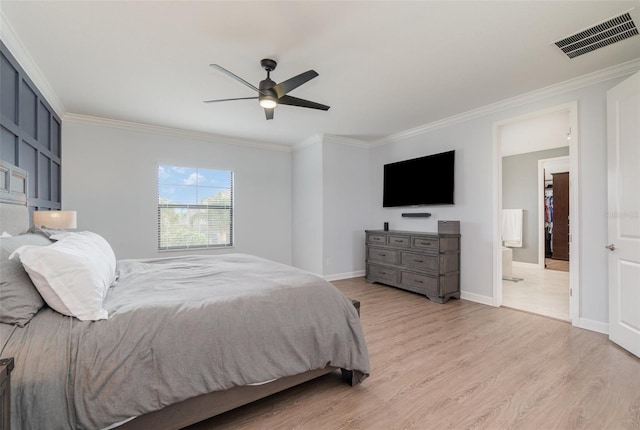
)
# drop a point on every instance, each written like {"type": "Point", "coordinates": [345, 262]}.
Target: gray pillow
{"type": "Point", "coordinates": [19, 299]}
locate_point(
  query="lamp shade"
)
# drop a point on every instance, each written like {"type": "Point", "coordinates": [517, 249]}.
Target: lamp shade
{"type": "Point", "coordinates": [55, 219]}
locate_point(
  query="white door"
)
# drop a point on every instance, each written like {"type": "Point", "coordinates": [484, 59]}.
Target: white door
{"type": "Point", "coordinates": [623, 135]}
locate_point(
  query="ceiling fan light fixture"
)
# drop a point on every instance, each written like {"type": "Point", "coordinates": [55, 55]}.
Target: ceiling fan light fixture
{"type": "Point", "coordinates": [270, 94]}
{"type": "Point", "coordinates": [268, 102]}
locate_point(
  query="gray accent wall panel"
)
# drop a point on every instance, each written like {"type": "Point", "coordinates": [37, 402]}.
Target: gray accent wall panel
{"type": "Point", "coordinates": [44, 177]}
{"type": "Point", "coordinates": [28, 160]}
{"type": "Point", "coordinates": [44, 126]}
{"type": "Point", "coordinates": [56, 191]}
{"type": "Point", "coordinates": [28, 105]}
{"type": "Point", "coordinates": [30, 134]}
{"type": "Point", "coordinates": [55, 139]}
{"type": "Point", "coordinates": [9, 89]}
{"type": "Point", "coordinates": [8, 145]}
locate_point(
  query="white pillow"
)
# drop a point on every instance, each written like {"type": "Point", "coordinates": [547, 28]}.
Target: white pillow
{"type": "Point", "coordinates": [72, 274]}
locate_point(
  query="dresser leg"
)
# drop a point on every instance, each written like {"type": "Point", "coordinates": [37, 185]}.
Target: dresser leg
{"type": "Point", "coordinates": [437, 299]}
{"type": "Point", "coordinates": [444, 299]}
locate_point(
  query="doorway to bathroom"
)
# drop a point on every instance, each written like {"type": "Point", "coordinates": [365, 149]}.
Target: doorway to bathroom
{"type": "Point", "coordinates": [535, 195]}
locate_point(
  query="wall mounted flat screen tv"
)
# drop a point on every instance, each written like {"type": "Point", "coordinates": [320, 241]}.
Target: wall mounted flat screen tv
{"type": "Point", "coordinates": [420, 181]}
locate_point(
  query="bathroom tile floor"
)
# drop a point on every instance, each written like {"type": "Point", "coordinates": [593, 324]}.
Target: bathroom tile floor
{"type": "Point", "coordinates": [543, 292]}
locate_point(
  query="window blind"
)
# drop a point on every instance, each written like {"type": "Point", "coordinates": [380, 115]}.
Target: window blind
{"type": "Point", "coordinates": [195, 208]}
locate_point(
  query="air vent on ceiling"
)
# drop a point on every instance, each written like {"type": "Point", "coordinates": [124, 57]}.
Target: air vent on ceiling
{"type": "Point", "coordinates": [598, 36]}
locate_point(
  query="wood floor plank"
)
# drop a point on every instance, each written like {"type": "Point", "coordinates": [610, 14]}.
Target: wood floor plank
{"type": "Point", "coordinates": [460, 365]}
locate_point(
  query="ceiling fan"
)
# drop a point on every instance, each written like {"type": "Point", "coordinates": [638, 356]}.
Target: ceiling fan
{"type": "Point", "coordinates": [271, 94]}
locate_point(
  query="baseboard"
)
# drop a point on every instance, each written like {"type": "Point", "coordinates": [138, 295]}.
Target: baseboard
{"type": "Point", "coordinates": [478, 298]}
{"type": "Point", "coordinates": [593, 325]}
{"type": "Point", "coordinates": [346, 275]}
{"type": "Point", "coordinates": [526, 265]}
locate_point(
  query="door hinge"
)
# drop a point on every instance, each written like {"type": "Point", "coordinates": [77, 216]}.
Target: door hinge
{"type": "Point", "coordinates": [570, 292]}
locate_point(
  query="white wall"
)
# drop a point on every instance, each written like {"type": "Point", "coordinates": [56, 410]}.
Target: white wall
{"type": "Point", "coordinates": [330, 206]}
{"type": "Point", "coordinates": [109, 175]}
{"type": "Point", "coordinates": [346, 208]}
{"type": "Point", "coordinates": [307, 206]}
{"type": "Point", "coordinates": [472, 141]}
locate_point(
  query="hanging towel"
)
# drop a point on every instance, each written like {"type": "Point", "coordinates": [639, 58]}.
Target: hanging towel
{"type": "Point", "coordinates": [512, 227]}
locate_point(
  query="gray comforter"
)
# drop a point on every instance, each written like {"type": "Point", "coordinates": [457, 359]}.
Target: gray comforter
{"type": "Point", "coordinates": [177, 328]}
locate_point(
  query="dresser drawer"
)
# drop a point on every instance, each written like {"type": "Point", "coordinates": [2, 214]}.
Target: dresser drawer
{"type": "Point", "coordinates": [425, 243]}
{"type": "Point", "coordinates": [420, 261]}
{"type": "Point", "coordinates": [420, 283]}
{"type": "Point", "coordinates": [376, 238]}
{"type": "Point", "coordinates": [382, 255]}
{"type": "Point", "coordinates": [399, 241]}
{"type": "Point", "coordinates": [382, 274]}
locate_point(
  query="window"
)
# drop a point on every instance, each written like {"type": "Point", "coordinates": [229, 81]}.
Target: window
{"type": "Point", "coordinates": [195, 208]}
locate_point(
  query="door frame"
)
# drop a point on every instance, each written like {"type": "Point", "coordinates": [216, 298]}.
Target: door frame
{"type": "Point", "coordinates": [574, 186]}
{"type": "Point", "coordinates": [541, 189]}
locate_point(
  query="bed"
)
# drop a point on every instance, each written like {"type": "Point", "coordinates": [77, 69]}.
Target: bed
{"type": "Point", "coordinates": [172, 341]}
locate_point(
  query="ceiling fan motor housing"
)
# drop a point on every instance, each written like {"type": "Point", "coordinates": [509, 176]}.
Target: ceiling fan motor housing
{"type": "Point", "coordinates": [268, 64]}
{"type": "Point", "coordinates": [266, 93]}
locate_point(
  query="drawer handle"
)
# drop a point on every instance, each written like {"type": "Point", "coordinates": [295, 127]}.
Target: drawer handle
{"type": "Point", "coordinates": [426, 243]}
{"type": "Point", "coordinates": [382, 255]}
{"type": "Point", "coordinates": [398, 240]}
{"type": "Point", "coordinates": [383, 273]}
{"type": "Point", "coordinates": [418, 281]}
{"type": "Point", "coordinates": [418, 261]}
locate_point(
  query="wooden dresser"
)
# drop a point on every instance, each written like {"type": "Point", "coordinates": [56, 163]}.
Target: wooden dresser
{"type": "Point", "coordinates": [425, 263]}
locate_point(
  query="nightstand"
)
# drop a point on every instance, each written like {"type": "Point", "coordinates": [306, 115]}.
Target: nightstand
{"type": "Point", "coordinates": [6, 366]}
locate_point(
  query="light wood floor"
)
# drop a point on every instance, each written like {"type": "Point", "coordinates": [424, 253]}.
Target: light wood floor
{"type": "Point", "coordinates": [460, 365]}
{"type": "Point", "coordinates": [541, 291]}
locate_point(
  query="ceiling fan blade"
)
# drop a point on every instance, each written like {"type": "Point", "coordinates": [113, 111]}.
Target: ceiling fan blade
{"type": "Point", "coordinates": [268, 112]}
{"type": "Point", "coordinates": [236, 77]}
{"type": "Point", "coordinates": [291, 84]}
{"type": "Point", "coordinates": [294, 101]}
{"type": "Point", "coordinates": [228, 100]}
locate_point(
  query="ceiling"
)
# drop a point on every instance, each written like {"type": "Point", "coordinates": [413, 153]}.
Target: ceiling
{"type": "Point", "coordinates": [384, 66]}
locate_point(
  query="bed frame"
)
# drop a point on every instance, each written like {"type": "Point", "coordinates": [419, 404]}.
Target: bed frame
{"type": "Point", "coordinates": [14, 219]}
{"type": "Point", "coordinates": [196, 409]}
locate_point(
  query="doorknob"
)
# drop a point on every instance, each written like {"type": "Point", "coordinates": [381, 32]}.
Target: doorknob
{"type": "Point", "coordinates": [610, 247]}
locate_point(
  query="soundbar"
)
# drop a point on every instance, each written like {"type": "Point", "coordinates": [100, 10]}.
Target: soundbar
{"type": "Point", "coordinates": [416, 214]}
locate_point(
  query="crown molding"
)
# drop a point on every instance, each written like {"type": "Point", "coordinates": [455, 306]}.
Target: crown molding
{"type": "Point", "coordinates": [311, 140]}
{"type": "Point", "coordinates": [26, 61]}
{"type": "Point", "coordinates": [593, 78]}
{"type": "Point", "coordinates": [348, 141]}
{"type": "Point", "coordinates": [330, 138]}
{"type": "Point", "coordinates": [168, 131]}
